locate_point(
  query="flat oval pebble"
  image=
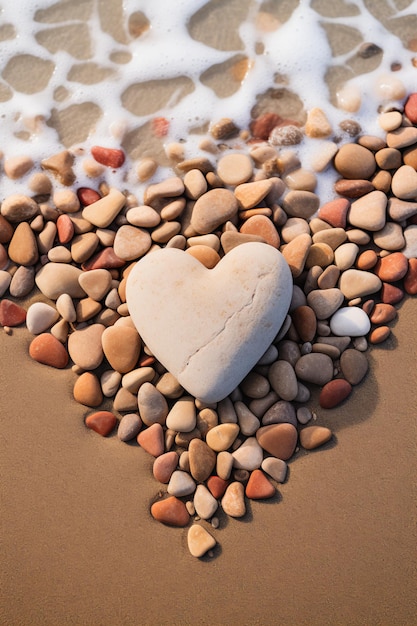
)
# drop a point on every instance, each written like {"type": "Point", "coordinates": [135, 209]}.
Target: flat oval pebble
{"type": "Point", "coordinates": [235, 169]}
{"type": "Point", "coordinates": [205, 503]}
{"type": "Point", "coordinates": [129, 427]}
{"type": "Point", "coordinates": [334, 392]}
{"type": "Point", "coordinates": [199, 540]}
{"type": "Point", "coordinates": [202, 459]}
{"type": "Point", "coordinates": [350, 321]}
{"type": "Point", "coordinates": [222, 437]}
{"type": "Point", "coordinates": [379, 334]}
{"type": "Point", "coordinates": [121, 346]}
{"type": "Point", "coordinates": [210, 346]}
{"type": "Point", "coordinates": [102, 422]}
{"type": "Point", "coordinates": [153, 407]}
{"type": "Point", "coordinates": [315, 368]}
{"type": "Point", "coordinates": [279, 440]}
{"type": "Point", "coordinates": [259, 487]}
{"type": "Point", "coordinates": [233, 501]}
{"type": "Point", "coordinates": [355, 161]}
{"type": "Point", "coordinates": [312, 437]}
{"type": "Point", "coordinates": [404, 183]}
{"type": "Point", "coordinates": [212, 209]}
{"type": "Point", "coordinates": [170, 511]}
{"type": "Point", "coordinates": [283, 380]}
{"type": "Point", "coordinates": [355, 283]}
{"type": "Point", "coordinates": [354, 365]}
{"type": "Point", "coordinates": [248, 456]}
{"type": "Point", "coordinates": [46, 349]}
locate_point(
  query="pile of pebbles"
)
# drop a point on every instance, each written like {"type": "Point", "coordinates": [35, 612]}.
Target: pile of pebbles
{"type": "Point", "coordinates": [352, 259]}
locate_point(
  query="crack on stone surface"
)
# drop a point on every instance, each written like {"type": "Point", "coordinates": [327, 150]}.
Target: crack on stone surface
{"type": "Point", "coordinates": [232, 316]}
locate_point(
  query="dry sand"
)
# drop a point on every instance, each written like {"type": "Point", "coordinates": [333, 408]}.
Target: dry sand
{"type": "Point", "coordinates": [80, 547]}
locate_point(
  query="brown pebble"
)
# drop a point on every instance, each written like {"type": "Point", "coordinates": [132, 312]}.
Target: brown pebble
{"type": "Point", "coordinates": [279, 440]}
{"type": "Point", "coordinates": [379, 334]}
{"type": "Point", "coordinates": [170, 511]}
{"type": "Point", "coordinates": [206, 255]}
{"type": "Point", "coordinates": [312, 437]}
{"type": "Point", "coordinates": [366, 260]}
{"type": "Point", "coordinates": [354, 365]}
{"type": "Point", "coordinates": [334, 392]}
{"type": "Point", "coordinates": [305, 322]}
{"type": "Point", "coordinates": [355, 162]}
{"type": "Point", "coordinates": [353, 188]}
{"type": "Point", "coordinates": [383, 313]}
{"type": "Point", "coordinates": [87, 390]}
{"type": "Point", "coordinates": [23, 248]}
{"type": "Point", "coordinates": [410, 280]}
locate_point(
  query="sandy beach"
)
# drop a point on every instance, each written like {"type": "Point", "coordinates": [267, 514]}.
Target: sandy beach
{"type": "Point", "coordinates": [334, 547]}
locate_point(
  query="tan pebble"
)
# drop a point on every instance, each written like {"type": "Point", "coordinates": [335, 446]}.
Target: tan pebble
{"type": "Point", "coordinates": [333, 237]}
{"type": "Point", "coordinates": [206, 255]}
{"type": "Point", "coordinates": [18, 166]}
{"type": "Point", "coordinates": [357, 283]}
{"type": "Point", "coordinates": [133, 380]}
{"type": "Point", "coordinates": [102, 212]}
{"type": "Point", "coordinates": [312, 437]}
{"type": "Point", "coordinates": [212, 209]}
{"type": "Point", "coordinates": [402, 137]}
{"type": "Point", "coordinates": [355, 162]}
{"type": "Point", "coordinates": [199, 541]}
{"type": "Point", "coordinates": [60, 330]}
{"type": "Point", "coordinates": [390, 237]}
{"type": "Point", "coordinates": [87, 390]}
{"type": "Point", "coordinates": [60, 165]}
{"type": "Point", "coordinates": [83, 247]}
{"type": "Point", "coordinates": [369, 212]}
{"type": "Point", "coordinates": [345, 255]}
{"type": "Point", "coordinates": [23, 248]}
{"type": "Point", "coordinates": [372, 142]}
{"type": "Point", "coordinates": [320, 254]}
{"type": "Point", "coordinates": [404, 183]}
{"type": "Point", "coordinates": [233, 501]}
{"type": "Point", "coordinates": [235, 169]}
{"type": "Point", "coordinates": [86, 309]}
{"type": "Point", "coordinates": [329, 277]}
{"type": "Point", "coordinates": [222, 437]}
{"type": "Point", "coordinates": [323, 156]}
{"type": "Point", "coordinates": [143, 216]}
{"type": "Point", "coordinates": [200, 163]}
{"type": "Point", "coordinates": [263, 227]}
{"type": "Point", "coordinates": [59, 254]}
{"type": "Point", "coordinates": [301, 179]}
{"type": "Point", "coordinates": [173, 209]}
{"type": "Point", "coordinates": [224, 465]}
{"type": "Point", "coordinates": [410, 156]}
{"type": "Point", "coordinates": [46, 237]}
{"type": "Point", "coordinates": [293, 227]}
{"type": "Point", "coordinates": [207, 418]}
{"type": "Point", "coordinates": [85, 348]}
{"type": "Point", "coordinates": [145, 169]}
{"type": "Point", "coordinates": [169, 386]}
{"type": "Point", "coordinates": [110, 382]}
{"type": "Point", "coordinates": [366, 260]}
{"type": "Point", "coordinates": [169, 188]}
{"type": "Point", "coordinates": [153, 407]}
{"type": "Point", "coordinates": [279, 440]}
{"type": "Point", "coordinates": [66, 201]}
{"type": "Point", "coordinates": [358, 236]}
{"type": "Point", "coordinates": [80, 224]}
{"type": "Point", "coordinates": [379, 334]}
{"type": "Point", "coordinates": [95, 283]}
{"type": "Point", "coordinates": [382, 181]}
{"type": "Point", "coordinates": [125, 401]}
{"type": "Point", "coordinates": [390, 121]}
{"type": "Point", "coordinates": [121, 346]}
{"type": "Point", "coordinates": [388, 158]}
{"type": "Point", "coordinates": [301, 204]}
{"type": "Point", "coordinates": [348, 99]}
{"type": "Point", "coordinates": [210, 240]}
{"type": "Point", "coordinates": [231, 239]}
{"type": "Point", "coordinates": [223, 128]}
{"type": "Point", "coordinates": [165, 231]}
{"type": "Point", "coordinates": [296, 252]}
{"type": "Point", "coordinates": [195, 184]}
{"type": "Point", "coordinates": [18, 208]}
{"type": "Point", "coordinates": [131, 242]}
{"type": "Point", "coordinates": [317, 124]}
{"type": "Point", "coordinates": [251, 194]}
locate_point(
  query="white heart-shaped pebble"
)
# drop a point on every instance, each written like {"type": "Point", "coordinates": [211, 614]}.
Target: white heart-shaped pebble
{"type": "Point", "coordinates": [210, 327]}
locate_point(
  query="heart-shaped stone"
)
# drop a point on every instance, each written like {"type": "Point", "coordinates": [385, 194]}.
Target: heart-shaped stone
{"type": "Point", "coordinates": [210, 327]}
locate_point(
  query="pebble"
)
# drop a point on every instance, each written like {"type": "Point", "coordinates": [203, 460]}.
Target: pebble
{"type": "Point", "coordinates": [410, 248]}
{"type": "Point", "coordinates": [333, 237]}
{"type": "Point", "coordinates": [251, 194]}
{"type": "Point", "coordinates": [129, 427]}
{"type": "Point", "coordinates": [102, 422]}
{"type": "Point", "coordinates": [410, 108]}
{"type": "Point", "coordinates": [153, 408]}
{"type": "Point", "coordinates": [87, 390]}
{"type": "Point", "coordinates": [121, 347]}
{"type": "Point", "coordinates": [95, 283]}
{"type": "Point", "coordinates": [345, 255]}
{"type": "Point", "coordinates": [248, 422]}
{"type": "Point", "coordinates": [5, 280]}
{"type": "Point", "coordinates": [389, 238]}
{"type": "Point", "coordinates": [279, 440]}
{"type": "Point", "coordinates": [276, 468]}
{"type": "Point", "coordinates": [335, 212]}
{"type": "Point", "coordinates": [369, 212]}
{"type": "Point", "coordinates": [402, 137]}
{"type": "Point", "coordinates": [224, 464]}
{"type": "Point", "coordinates": [354, 161]}
{"type": "Point", "coordinates": [350, 321]}
{"type": "Point", "coordinates": [233, 501]}
{"type": "Point", "coordinates": [379, 334]}
{"type": "Point", "coordinates": [135, 378]}
{"type": "Point", "coordinates": [152, 439]}
{"type": "Point", "coordinates": [164, 466]}
{"type": "Point", "coordinates": [248, 456]}
{"type": "Point", "coordinates": [182, 416]}
{"type": "Point", "coordinates": [125, 401]}
{"type": "Point", "coordinates": [392, 268]}
{"type": "Point", "coordinates": [11, 314]}
{"type": "Point", "coordinates": [334, 393]}
{"type": "Point", "coordinates": [230, 239]}
{"type": "Point", "coordinates": [312, 437]}
{"type": "Point", "coordinates": [23, 248]}
{"type": "Point", "coordinates": [202, 459]}
{"type": "Point", "coordinates": [18, 208]}
{"type": "Point", "coordinates": [283, 380]}
{"type": "Point", "coordinates": [205, 503]}
{"type": "Point", "coordinates": [170, 511]}
{"type": "Point", "coordinates": [131, 242]}
{"type": "Point", "coordinates": [222, 437]}
{"type": "Point", "coordinates": [301, 203]}
{"type": "Point", "coordinates": [293, 227]}
{"type": "Point", "coordinates": [383, 313]}
{"type": "Point", "coordinates": [261, 226]}
{"type": "Point", "coordinates": [280, 412]}
{"type": "Point", "coordinates": [199, 541]}
{"type": "Point", "coordinates": [354, 365]}
{"type": "Point", "coordinates": [404, 183]}
{"type": "Point", "coordinates": [85, 348]}
{"type": "Point", "coordinates": [295, 253]}
{"type": "Point", "coordinates": [46, 349]}
{"type": "Point", "coordinates": [304, 415]}
{"type": "Point", "coordinates": [40, 316]}
{"type": "Point", "coordinates": [355, 283]}
{"type": "Point", "coordinates": [259, 487]}
{"type": "Point", "coordinates": [315, 368]}
{"type": "Point", "coordinates": [325, 302]}
{"type": "Point", "coordinates": [180, 484]}
{"type": "Point", "coordinates": [410, 280]}
{"type": "Point", "coordinates": [102, 212]}
{"type": "Point", "coordinates": [213, 209]}
{"type": "Point", "coordinates": [54, 279]}
{"type": "Point", "coordinates": [206, 255]}
{"type": "Point", "coordinates": [317, 125]}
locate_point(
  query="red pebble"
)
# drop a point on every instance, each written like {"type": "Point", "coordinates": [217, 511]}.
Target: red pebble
{"type": "Point", "coordinates": [383, 313]}
{"type": "Point", "coordinates": [261, 127]}
{"type": "Point", "coordinates": [392, 267]}
{"type": "Point", "coordinates": [105, 259]}
{"type": "Point", "coordinates": [152, 440]}
{"type": "Point", "coordinates": [410, 108]}
{"type": "Point", "coordinates": [410, 280]}
{"type": "Point", "coordinates": [335, 212]}
{"type": "Point", "coordinates": [146, 360]}
{"type": "Point", "coordinates": [65, 228]}
{"type": "Point", "coordinates": [164, 465]}
{"type": "Point", "coordinates": [160, 126]}
{"type": "Point", "coordinates": [170, 511]}
{"type": "Point", "coordinates": [111, 157]}
{"type": "Point", "coordinates": [259, 487]}
{"type": "Point", "coordinates": [102, 422]}
{"type": "Point", "coordinates": [334, 392]}
{"type": "Point", "coordinates": [390, 294]}
{"type": "Point", "coordinates": [87, 196]}
{"type": "Point", "coordinates": [11, 314]}
{"type": "Point", "coordinates": [46, 349]}
{"type": "Point", "coordinates": [217, 486]}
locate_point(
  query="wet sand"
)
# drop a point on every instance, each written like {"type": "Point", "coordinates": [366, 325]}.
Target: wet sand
{"type": "Point", "coordinates": [336, 547]}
